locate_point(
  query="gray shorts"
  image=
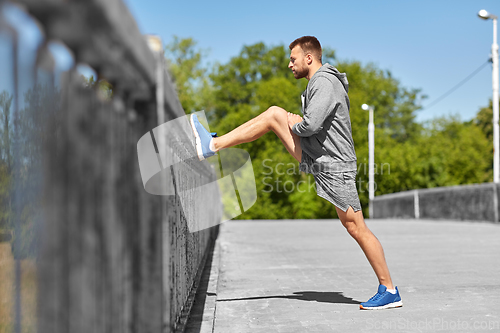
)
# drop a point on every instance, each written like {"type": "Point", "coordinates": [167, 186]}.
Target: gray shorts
{"type": "Point", "coordinates": [339, 188]}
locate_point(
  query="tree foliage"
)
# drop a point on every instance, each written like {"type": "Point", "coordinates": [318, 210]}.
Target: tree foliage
{"type": "Point", "coordinates": [184, 62]}
{"type": "Point", "coordinates": [484, 120]}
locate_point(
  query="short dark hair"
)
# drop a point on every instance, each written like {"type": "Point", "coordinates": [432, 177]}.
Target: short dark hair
{"type": "Point", "coordinates": [308, 44]}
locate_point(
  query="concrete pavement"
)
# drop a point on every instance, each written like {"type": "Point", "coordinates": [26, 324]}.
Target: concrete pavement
{"type": "Point", "coordinates": [310, 275]}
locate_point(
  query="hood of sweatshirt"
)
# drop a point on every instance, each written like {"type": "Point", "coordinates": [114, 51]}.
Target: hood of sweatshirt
{"type": "Point", "coordinates": [328, 69]}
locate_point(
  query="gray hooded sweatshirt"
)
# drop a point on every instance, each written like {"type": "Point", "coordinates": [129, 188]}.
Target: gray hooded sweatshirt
{"type": "Point", "coordinates": [325, 131]}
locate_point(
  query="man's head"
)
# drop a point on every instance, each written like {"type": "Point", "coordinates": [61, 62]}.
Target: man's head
{"type": "Point", "coordinates": [305, 55]}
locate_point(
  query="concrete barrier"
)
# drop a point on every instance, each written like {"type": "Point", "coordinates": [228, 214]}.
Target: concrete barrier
{"type": "Point", "coordinates": [474, 202]}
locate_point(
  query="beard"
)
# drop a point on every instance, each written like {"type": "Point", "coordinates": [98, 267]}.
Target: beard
{"type": "Point", "coordinates": [300, 73]}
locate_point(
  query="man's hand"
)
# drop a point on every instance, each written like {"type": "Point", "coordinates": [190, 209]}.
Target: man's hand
{"type": "Point", "coordinates": [293, 119]}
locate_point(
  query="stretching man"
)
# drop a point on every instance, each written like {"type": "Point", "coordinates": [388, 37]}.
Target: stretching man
{"type": "Point", "coordinates": [322, 143]}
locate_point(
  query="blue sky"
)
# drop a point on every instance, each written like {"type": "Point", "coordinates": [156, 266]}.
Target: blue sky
{"type": "Point", "coordinates": [431, 45]}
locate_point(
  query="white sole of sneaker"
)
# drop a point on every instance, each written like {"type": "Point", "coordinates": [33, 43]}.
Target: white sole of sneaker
{"type": "Point", "coordinates": [387, 306]}
{"type": "Point", "coordinates": [199, 151]}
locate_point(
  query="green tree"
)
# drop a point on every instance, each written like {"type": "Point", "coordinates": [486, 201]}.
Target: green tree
{"type": "Point", "coordinates": [184, 61]}
{"type": "Point", "coordinates": [463, 149]}
{"type": "Point", "coordinates": [449, 152]}
{"type": "Point", "coordinates": [484, 120]}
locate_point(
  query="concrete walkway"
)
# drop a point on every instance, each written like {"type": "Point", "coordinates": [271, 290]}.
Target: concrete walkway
{"type": "Point", "coordinates": [309, 276]}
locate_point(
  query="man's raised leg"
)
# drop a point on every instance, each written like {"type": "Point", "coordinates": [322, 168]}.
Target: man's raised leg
{"type": "Point", "coordinates": [273, 119]}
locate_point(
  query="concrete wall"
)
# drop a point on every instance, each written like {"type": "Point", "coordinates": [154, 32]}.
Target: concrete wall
{"type": "Point", "coordinates": [476, 202]}
{"type": "Point", "coordinates": [113, 258]}
{"type": "Point", "coordinates": [394, 205]}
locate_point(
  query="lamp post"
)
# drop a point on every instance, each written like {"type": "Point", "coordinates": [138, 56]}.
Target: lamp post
{"type": "Point", "coordinates": [371, 157]}
{"type": "Point", "coordinates": [494, 58]}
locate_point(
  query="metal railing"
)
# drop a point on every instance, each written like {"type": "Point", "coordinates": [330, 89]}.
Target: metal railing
{"type": "Point", "coordinates": [110, 257]}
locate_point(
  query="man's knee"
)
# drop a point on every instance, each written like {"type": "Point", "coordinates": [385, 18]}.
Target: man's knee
{"type": "Point", "coordinates": [351, 228]}
{"type": "Point", "coordinates": [355, 228]}
{"type": "Point", "coordinates": [277, 114]}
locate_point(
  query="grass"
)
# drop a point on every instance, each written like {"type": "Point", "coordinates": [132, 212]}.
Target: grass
{"type": "Point", "coordinates": [28, 291]}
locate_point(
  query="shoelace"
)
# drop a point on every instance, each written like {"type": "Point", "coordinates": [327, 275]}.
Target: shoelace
{"type": "Point", "coordinates": [375, 297]}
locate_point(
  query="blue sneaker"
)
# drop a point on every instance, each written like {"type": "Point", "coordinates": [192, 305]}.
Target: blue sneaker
{"type": "Point", "coordinates": [202, 137]}
{"type": "Point", "coordinates": [382, 300]}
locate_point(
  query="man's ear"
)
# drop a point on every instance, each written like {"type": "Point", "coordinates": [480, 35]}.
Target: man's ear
{"type": "Point", "coordinates": [309, 58]}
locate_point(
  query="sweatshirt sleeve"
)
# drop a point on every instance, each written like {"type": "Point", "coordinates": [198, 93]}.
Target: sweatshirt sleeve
{"type": "Point", "coordinates": [321, 103]}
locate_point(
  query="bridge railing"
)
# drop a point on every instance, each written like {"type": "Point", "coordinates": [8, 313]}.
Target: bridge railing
{"type": "Point", "coordinates": [474, 202]}
{"type": "Point", "coordinates": [110, 257]}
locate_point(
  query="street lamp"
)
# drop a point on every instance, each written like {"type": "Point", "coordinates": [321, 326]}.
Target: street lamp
{"type": "Point", "coordinates": [371, 157]}
{"type": "Point", "coordinates": [494, 58]}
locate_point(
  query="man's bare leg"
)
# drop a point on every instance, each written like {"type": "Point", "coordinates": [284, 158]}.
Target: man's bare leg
{"type": "Point", "coordinates": [273, 119]}
{"type": "Point", "coordinates": [356, 227]}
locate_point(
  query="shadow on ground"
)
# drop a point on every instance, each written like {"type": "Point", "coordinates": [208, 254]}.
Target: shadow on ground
{"type": "Point", "coordinates": [318, 296]}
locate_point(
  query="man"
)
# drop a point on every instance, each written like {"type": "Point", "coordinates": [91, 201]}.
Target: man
{"type": "Point", "coordinates": [322, 143]}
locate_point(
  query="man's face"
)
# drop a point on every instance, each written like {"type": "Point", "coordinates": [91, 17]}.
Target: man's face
{"type": "Point", "coordinates": [298, 63]}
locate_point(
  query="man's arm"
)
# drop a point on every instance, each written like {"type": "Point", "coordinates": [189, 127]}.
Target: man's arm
{"type": "Point", "coordinates": [321, 104]}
